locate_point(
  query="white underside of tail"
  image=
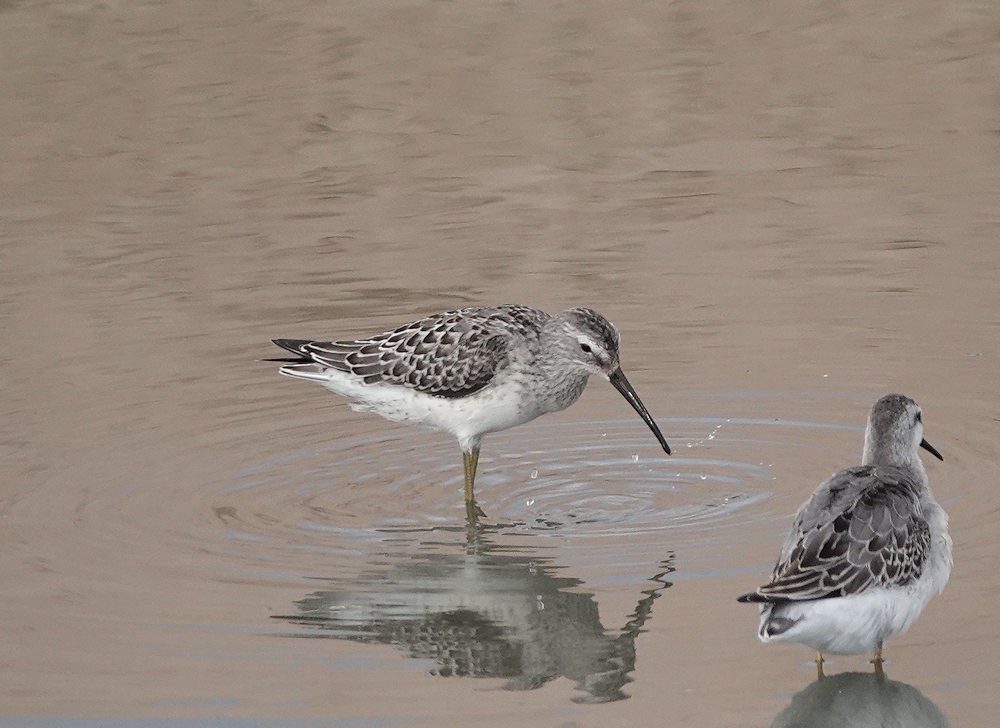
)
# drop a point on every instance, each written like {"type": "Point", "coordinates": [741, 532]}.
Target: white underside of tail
{"type": "Point", "coordinates": [855, 624]}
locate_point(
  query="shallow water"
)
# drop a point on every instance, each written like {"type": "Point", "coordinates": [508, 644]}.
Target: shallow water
{"type": "Point", "coordinates": [788, 212]}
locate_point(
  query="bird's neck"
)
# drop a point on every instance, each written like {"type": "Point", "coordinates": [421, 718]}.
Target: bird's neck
{"type": "Point", "coordinates": [561, 387]}
{"type": "Point", "coordinates": [912, 466]}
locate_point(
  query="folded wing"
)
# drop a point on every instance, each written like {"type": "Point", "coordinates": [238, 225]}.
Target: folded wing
{"type": "Point", "coordinates": [863, 528]}
{"type": "Point", "coordinates": [447, 355]}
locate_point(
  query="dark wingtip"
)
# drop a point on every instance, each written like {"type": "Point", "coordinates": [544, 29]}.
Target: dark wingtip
{"type": "Point", "coordinates": [750, 597]}
{"type": "Point", "coordinates": [292, 345]}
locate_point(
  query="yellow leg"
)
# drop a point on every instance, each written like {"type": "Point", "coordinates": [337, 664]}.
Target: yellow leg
{"type": "Point", "coordinates": [877, 660]}
{"type": "Point", "coordinates": [819, 666]}
{"type": "Point", "coordinates": [471, 462]}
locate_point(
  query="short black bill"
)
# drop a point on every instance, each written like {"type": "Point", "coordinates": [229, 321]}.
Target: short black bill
{"type": "Point", "coordinates": [931, 449]}
{"type": "Point", "coordinates": [618, 379]}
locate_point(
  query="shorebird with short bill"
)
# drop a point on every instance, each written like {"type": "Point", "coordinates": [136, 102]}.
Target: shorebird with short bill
{"type": "Point", "coordinates": [866, 552]}
{"type": "Point", "coordinates": [471, 371]}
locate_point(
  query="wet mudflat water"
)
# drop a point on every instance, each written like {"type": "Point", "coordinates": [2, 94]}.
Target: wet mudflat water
{"type": "Point", "coordinates": [787, 211]}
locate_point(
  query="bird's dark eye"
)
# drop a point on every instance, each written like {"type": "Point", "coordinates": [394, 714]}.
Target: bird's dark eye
{"type": "Point", "coordinates": [585, 348]}
{"type": "Point", "coordinates": [919, 417]}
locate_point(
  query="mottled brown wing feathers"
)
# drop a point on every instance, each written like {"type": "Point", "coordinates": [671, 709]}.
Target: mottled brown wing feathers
{"type": "Point", "coordinates": [864, 529]}
{"type": "Point", "coordinates": [450, 354]}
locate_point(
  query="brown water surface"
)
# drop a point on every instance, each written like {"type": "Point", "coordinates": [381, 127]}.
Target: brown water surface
{"type": "Point", "coordinates": [788, 209]}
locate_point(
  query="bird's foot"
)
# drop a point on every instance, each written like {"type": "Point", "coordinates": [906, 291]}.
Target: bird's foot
{"type": "Point", "coordinates": [473, 513]}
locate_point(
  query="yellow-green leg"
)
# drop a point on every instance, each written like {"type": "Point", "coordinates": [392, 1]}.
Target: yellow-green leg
{"type": "Point", "coordinates": [877, 659]}
{"type": "Point", "coordinates": [471, 462]}
{"type": "Point", "coordinates": [819, 666]}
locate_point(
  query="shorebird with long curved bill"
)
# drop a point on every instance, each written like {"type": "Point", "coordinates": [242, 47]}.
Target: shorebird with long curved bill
{"type": "Point", "coordinates": [471, 371]}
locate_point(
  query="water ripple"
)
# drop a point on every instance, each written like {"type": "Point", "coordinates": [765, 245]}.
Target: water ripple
{"type": "Point", "coordinates": [571, 479]}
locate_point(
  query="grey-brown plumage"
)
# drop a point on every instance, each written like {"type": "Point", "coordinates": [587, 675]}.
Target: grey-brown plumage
{"type": "Point", "coordinates": [471, 371]}
{"type": "Point", "coordinates": [862, 528]}
{"type": "Point", "coordinates": [450, 354]}
{"type": "Point", "coordinates": [867, 551]}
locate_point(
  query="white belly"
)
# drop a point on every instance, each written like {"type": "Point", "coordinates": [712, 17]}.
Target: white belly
{"type": "Point", "coordinates": [856, 624]}
{"type": "Point", "coordinates": [492, 409]}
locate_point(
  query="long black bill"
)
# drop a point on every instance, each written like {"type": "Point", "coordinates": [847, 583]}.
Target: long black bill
{"type": "Point", "coordinates": [618, 379]}
{"type": "Point", "coordinates": [931, 449]}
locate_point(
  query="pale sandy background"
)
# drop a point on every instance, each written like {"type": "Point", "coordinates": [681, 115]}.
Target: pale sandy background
{"type": "Point", "coordinates": [788, 208]}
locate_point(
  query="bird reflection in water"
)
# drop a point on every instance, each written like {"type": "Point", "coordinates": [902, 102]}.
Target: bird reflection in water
{"type": "Point", "coordinates": [486, 612]}
{"type": "Point", "coordinates": [860, 700]}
